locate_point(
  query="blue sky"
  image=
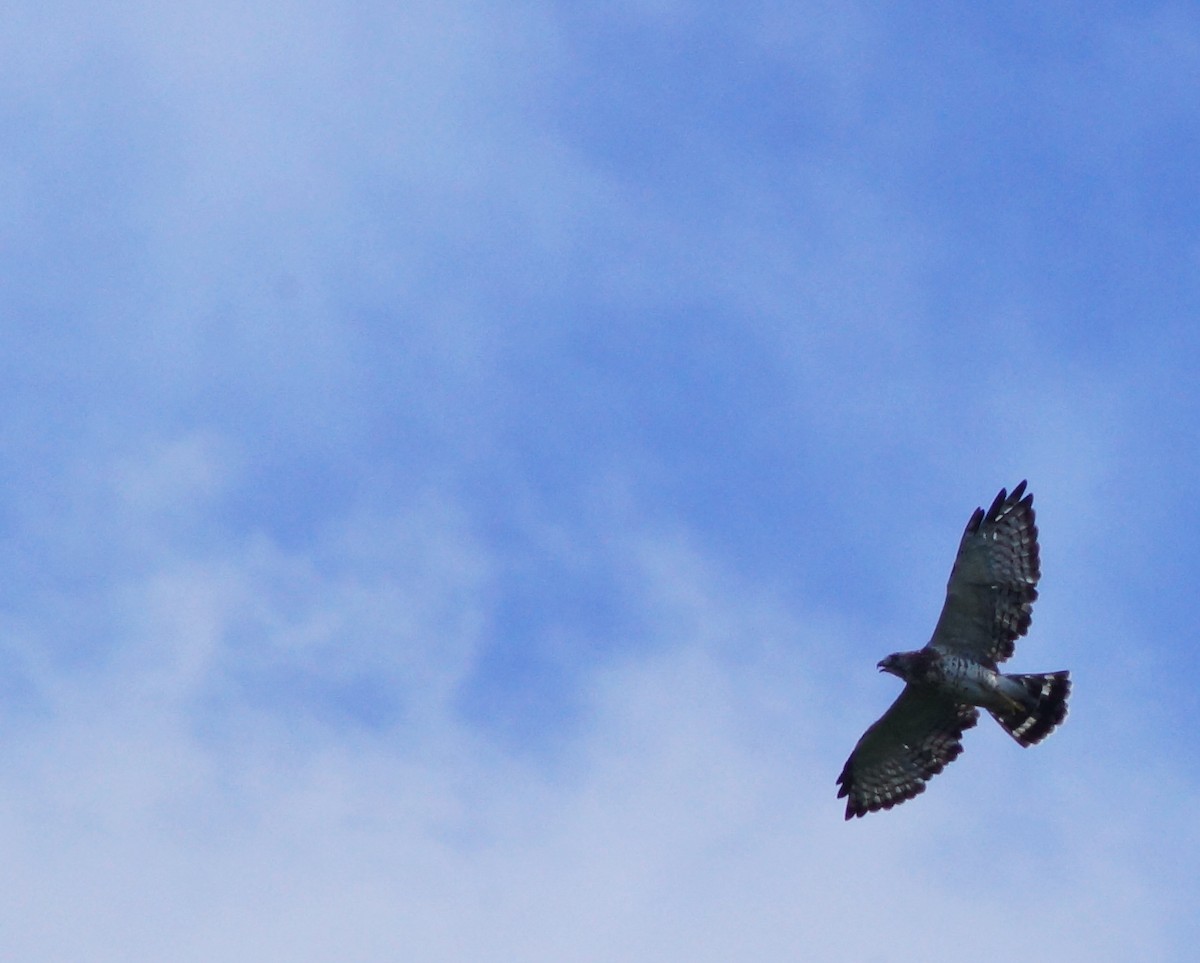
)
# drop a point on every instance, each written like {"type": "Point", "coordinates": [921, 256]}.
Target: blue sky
{"type": "Point", "coordinates": [462, 462]}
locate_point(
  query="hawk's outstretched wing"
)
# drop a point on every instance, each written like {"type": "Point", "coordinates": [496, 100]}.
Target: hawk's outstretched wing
{"type": "Point", "coordinates": [992, 587]}
{"type": "Point", "coordinates": [913, 740]}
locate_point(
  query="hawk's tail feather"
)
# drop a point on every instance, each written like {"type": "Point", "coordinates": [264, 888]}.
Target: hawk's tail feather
{"type": "Point", "coordinates": [1048, 697]}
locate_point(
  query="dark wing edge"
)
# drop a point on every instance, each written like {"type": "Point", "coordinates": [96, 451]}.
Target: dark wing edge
{"type": "Point", "coordinates": [910, 743]}
{"type": "Point", "coordinates": [993, 583]}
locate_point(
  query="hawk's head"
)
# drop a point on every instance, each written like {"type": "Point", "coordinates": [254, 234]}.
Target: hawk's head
{"type": "Point", "coordinates": [904, 665]}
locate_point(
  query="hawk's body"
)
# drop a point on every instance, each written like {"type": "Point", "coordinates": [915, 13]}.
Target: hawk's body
{"type": "Point", "coordinates": [989, 600]}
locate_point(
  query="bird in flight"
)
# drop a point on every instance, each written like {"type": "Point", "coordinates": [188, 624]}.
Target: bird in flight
{"type": "Point", "coordinates": [989, 605]}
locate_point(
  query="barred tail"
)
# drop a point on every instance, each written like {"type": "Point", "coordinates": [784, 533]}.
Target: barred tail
{"type": "Point", "coordinates": [1047, 707]}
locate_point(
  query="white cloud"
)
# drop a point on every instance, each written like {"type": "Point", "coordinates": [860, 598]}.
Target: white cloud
{"type": "Point", "coordinates": [693, 816]}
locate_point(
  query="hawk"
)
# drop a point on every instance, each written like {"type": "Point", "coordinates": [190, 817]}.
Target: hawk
{"type": "Point", "coordinates": [989, 604]}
